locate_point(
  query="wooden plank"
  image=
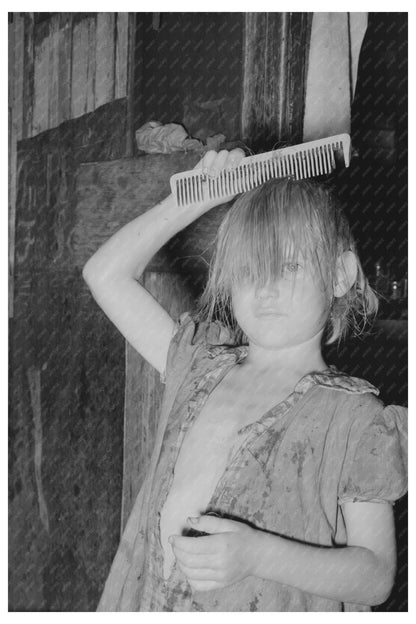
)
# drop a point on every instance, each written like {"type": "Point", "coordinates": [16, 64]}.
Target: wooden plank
{"type": "Point", "coordinates": [134, 83]}
{"type": "Point", "coordinates": [105, 58]}
{"type": "Point", "coordinates": [60, 331]}
{"type": "Point", "coordinates": [18, 74]}
{"type": "Point", "coordinates": [11, 64]}
{"type": "Point", "coordinates": [264, 78]}
{"type": "Point", "coordinates": [64, 64]}
{"type": "Point", "coordinates": [300, 36]}
{"type": "Point", "coordinates": [34, 379]}
{"type": "Point", "coordinates": [122, 32]}
{"type": "Point", "coordinates": [113, 193]}
{"type": "Point", "coordinates": [274, 59]}
{"type": "Point", "coordinates": [79, 69]}
{"type": "Point", "coordinates": [28, 73]}
{"type": "Point", "coordinates": [12, 143]}
{"type": "Point", "coordinates": [54, 37]}
{"type": "Point", "coordinates": [144, 390]}
{"type": "Point", "coordinates": [41, 78]}
{"type": "Point", "coordinates": [92, 30]}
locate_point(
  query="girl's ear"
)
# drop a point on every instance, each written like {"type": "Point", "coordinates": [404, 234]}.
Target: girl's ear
{"type": "Point", "coordinates": [346, 273]}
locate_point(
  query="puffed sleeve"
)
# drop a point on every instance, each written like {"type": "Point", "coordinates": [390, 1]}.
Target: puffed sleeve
{"type": "Point", "coordinates": [377, 471]}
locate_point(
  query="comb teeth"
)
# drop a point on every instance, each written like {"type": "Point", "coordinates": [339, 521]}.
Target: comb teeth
{"type": "Point", "coordinates": [306, 160]}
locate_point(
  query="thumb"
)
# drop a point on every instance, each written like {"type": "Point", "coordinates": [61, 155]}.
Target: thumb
{"type": "Point", "coordinates": [212, 524]}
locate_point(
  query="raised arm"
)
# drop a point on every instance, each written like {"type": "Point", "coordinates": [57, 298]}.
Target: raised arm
{"type": "Point", "coordinates": [112, 272]}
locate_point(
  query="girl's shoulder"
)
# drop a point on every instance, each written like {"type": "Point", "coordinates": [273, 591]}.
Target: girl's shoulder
{"type": "Point", "coordinates": [198, 345]}
{"type": "Point", "coordinates": [354, 402]}
{"type": "Point", "coordinates": [190, 330]}
{"type": "Point", "coordinates": [369, 436]}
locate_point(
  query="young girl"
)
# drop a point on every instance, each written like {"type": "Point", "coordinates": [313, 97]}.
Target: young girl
{"type": "Point", "coordinates": [273, 475]}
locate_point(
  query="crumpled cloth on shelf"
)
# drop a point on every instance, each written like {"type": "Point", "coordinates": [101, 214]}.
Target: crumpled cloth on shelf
{"type": "Point", "coordinates": [155, 138]}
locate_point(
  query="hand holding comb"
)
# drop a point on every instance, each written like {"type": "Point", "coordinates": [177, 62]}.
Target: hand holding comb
{"type": "Point", "coordinates": [305, 160]}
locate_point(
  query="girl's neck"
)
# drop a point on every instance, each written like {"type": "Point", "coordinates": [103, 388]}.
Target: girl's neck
{"type": "Point", "coordinates": [297, 359]}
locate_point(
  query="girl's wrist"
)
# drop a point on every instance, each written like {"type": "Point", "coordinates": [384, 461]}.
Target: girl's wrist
{"type": "Point", "coordinates": [262, 545]}
{"type": "Point", "coordinates": [256, 548]}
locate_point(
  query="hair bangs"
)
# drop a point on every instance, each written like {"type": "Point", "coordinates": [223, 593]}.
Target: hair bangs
{"type": "Point", "coordinates": [260, 236]}
{"type": "Point", "coordinates": [286, 221]}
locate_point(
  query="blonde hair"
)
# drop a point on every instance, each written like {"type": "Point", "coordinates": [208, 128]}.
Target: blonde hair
{"type": "Point", "coordinates": [284, 219]}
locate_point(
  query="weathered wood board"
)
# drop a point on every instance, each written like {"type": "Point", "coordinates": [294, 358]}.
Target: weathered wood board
{"type": "Point", "coordinates": [69, 64]}
{"type": "Point", "coordinates": [67, 379]}
{"type": "Point", "coordinates": [111, 194]}
{"type": "Point", "coordinates": [275, 60]}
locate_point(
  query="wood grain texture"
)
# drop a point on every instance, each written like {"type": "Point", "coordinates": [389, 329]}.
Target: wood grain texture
{"type": "Point", "coordinates": [41, 78]}
{"type": "Point", "coordinates": [91, 63]}
{"type": "Point", "coordinates": [144, 390]}
{"type": "Point", "coordinates": [79, 69]}
{"type": "Point", "coordinates": [61, 336]}
{"type": "Point", "coordinates": [134, 81]}
{"type": "Point", "coordinates": [105, 59]}
{"type": "Point", "coordinates": [53, 105]}
{"type": "Point", "coordinates": [65, 66]}
{"type": "Point", "coordinates": [111, 194]}
{"type": "Point", "coordinates": [12, 144]}
{"type": "Point", "coordinates": [121, 69]}
{"type": "Point", "coordinates": [69, 64]}
{"type": "Point", "coordinates": [28, 68]}
{"type": "Point", "coordinates": [275, 50]}
{"type": "Point", "coordinates": [18, 23]}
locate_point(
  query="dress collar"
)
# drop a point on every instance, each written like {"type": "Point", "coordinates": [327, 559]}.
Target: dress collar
{"type": "Point", "coordinates": [331, 377]}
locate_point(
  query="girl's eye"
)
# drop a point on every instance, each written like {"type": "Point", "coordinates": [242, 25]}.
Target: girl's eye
{"type": "Point", "coordinates": [291, 269]}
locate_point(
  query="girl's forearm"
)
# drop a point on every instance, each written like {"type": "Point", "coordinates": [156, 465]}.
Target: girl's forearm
{"type": "Point", "coordinates": [129, 250]}
{"type": "Point", "coordinates": [347, 574]}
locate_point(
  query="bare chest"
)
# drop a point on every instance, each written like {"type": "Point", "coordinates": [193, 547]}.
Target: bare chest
{"type": "Point", "coordinates": [216, 433]}
{"type": "Point", "coordinates": [209, 445]}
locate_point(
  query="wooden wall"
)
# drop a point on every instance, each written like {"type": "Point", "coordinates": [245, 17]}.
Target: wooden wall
{"type": "Point", "coordinates": [65, 66]}
{"type": "Point", "coordinates": [67, 380]}
{"type": "Point", "coordinates": [67, 105]}
{"type": "Point", "coordinates": [59, 69]}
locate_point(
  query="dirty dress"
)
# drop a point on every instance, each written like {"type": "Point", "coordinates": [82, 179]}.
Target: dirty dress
{"type": "Point", "coordinates": [329, 442]}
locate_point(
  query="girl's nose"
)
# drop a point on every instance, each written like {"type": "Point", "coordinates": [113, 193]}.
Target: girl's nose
{"type": "Point", "coordinates": [271, 289]}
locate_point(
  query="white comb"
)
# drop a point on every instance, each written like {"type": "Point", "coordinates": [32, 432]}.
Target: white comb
{"type": "Point", "coordinates": [305, 160]}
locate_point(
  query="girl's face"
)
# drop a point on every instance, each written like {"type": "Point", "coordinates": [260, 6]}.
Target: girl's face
{"type": "Point", "coordinates": [285, 313]}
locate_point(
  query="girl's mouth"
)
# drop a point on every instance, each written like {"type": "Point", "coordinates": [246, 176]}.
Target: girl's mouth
{"type": "Point", "coordinates": [268, 311]}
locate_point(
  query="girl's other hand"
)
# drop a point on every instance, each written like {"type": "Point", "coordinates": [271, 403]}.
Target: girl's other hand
{"type": "Point", "coordinates": [222, 558]}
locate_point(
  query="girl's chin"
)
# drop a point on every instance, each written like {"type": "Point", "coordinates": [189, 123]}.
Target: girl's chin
{"type": "Point", "coordinates": [271, 339]}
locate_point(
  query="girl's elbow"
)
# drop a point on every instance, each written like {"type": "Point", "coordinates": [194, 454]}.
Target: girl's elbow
{"type": "Point", "coordinates": [383, 588]}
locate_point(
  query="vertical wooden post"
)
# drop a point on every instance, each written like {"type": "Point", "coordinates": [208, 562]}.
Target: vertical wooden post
{"type": "Point", "coordinates": [105, 59]}
{"type": "Point", "coordinates": [53, 71]}
{"type": "Point", "coordinates": [79, 78]}
{"type": "Point", "coordinates": [15, 131]}
{"type": "Point", "coordinates": [122, 50]}
{"type": "Point", "coordinates": [41, 80]}
{"type": "Point", "coordinates": [64, 66]}
{"type": "Point", "coordinates": [130, 81]}
{"type": "Point", "coordinates": [275, 53]}
{"type": "Point", "coordinates": [28, 72]}
{"type": "Point", "coordinates": [12, 162]}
